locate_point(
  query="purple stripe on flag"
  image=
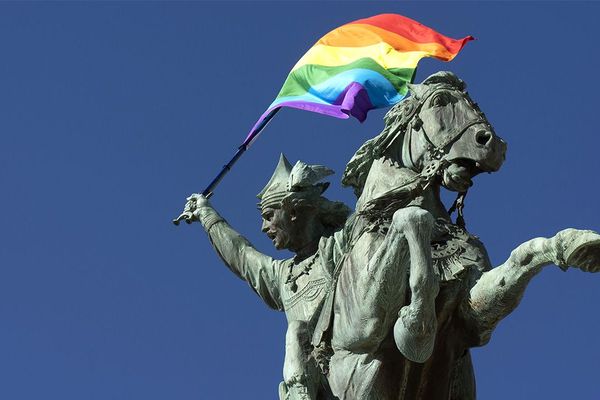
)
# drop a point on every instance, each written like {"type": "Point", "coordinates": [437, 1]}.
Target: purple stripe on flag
{"type": "Point", "coordinates": [353, 101]}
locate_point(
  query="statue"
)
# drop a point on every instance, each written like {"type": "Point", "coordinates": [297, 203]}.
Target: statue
{"type": "Point", "coordinates": [295, 217]}
{"type": "Point", "coordinates": [426, 288]}
{"type": "Point", "coordinates": [405, 291]}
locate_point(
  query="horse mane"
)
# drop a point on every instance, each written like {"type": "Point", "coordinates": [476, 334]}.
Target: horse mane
{"type": "Point", "coordinates": [396, 121]}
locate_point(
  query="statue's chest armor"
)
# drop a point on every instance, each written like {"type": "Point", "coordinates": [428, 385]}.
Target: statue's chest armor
{"type": "Point", "coordinates": [303, 296]}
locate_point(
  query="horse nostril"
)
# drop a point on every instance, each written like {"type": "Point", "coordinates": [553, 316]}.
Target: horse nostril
{"type": "Point", "coordinates": [483, 137]}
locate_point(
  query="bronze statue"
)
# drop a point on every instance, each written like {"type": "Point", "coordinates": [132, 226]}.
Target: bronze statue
{"type": "Point", "coordinates": [387, 303]}
{"type": "Point", "coordinates": [416, 291]}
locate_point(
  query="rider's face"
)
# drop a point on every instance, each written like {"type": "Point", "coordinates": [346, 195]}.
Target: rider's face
{"type": "Point", "coordinates": [277, 225]}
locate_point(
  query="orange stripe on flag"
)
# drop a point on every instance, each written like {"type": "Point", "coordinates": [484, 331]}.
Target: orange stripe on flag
{"type": "Point", "coordinates": [362, 35]}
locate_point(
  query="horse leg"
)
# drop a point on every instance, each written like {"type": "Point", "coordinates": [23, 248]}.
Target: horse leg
{"type": "Point", "coordinates": [370, 291]}
{"type": "Point", "coordinates": [415, 328]}
{"type": "Point", "coordinates": [498, 292]}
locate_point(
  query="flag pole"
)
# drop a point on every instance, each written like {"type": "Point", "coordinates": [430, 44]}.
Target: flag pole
{"type": "Point", "coordinates": [208, 192]}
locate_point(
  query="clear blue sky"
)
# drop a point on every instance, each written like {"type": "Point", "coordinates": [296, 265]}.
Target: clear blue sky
{"type": "Point", "coordinates": [112, 113]}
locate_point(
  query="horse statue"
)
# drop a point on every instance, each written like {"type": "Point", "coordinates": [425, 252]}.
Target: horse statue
{"type": "Point", "coordinates": [413, 291]}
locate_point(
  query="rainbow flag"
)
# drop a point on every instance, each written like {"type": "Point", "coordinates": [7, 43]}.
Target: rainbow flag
{"type": "Point", "coordinates": [360, 66]}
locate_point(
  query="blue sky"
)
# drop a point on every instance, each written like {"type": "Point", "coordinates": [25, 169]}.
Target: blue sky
{"type": "Point", "coordinates": [112, 113]}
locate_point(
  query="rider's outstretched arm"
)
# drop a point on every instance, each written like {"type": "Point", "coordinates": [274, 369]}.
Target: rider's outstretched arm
{"type": "Point", "coordinates": [256, 268]}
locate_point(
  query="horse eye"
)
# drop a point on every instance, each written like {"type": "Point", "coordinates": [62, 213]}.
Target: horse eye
{"type": "Point", "coordinates": [440, 100]}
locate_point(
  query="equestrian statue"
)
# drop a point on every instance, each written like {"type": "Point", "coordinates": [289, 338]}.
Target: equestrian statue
{"type": "Point", "coordinates": [385, 303]}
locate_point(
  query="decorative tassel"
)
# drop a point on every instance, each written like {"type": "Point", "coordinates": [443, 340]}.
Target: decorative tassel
{"type": "Point", "coordinates": [458, 206]}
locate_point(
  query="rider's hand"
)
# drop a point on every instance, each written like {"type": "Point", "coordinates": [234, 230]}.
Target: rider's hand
{"type": "Point", "coordinates": [194, 203]}
{"type": "Point", "coordinates": [197, 200]}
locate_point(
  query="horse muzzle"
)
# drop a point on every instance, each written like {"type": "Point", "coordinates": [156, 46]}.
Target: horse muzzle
{"type": "Point", "coordinates": [479, 149]}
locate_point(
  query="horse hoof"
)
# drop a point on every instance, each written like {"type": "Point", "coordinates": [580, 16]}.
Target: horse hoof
{"type": "Point", "coordinates": [414, 338]}
{"type": "Point", "coordinates": [583, 251]}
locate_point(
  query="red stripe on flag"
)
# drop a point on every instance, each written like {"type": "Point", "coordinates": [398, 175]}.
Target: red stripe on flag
{"type": "Point", "coordinates": [414, 31]}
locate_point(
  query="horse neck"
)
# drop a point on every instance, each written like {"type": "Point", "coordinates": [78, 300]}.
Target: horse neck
{"type": "Point", "coordinates": [414, 153]}
{"type": "Point", "coordinates": [431, 201]}
{"type": "Point", "coordinates": [402, 162]}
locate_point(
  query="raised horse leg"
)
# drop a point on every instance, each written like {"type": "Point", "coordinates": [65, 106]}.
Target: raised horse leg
{"type": "Point", "coordinates": [372, 289]}
{"type": "Point", "coordinates": [498, 292]}
{"type": "Point", "coordinates": [415, 328]}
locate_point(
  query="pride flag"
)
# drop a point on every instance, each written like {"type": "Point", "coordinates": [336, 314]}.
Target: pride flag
{"type": "Point", "coordinates": [360, 66]}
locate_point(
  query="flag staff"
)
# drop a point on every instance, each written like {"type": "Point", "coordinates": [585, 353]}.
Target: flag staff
{"type": "Point", "coordinates": [208, 192]}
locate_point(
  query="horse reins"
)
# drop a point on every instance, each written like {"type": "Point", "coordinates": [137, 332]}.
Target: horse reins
{"type": "Point", "coordinates": [438, 153]}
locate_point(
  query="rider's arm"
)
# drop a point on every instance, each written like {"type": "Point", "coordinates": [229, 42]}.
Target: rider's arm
{"type": "Point", "coordinates": [259, 270]}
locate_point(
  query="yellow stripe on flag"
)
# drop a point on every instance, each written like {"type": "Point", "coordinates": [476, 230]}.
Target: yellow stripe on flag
{"type": "Point", "coordinates": [384, 54]}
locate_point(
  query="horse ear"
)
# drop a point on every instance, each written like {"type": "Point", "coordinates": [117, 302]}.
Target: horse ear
{"type": "Point", "coordinates": [415, 89]}
{"type": "Point", "coordinates": [446, 77]}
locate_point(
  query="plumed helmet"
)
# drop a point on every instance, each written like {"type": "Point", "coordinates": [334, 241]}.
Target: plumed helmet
{"type": "Point", "coordinates": [287, 179]}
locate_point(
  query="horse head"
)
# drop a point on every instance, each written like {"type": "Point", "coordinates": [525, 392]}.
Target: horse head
{"type": "Point", "coordinates": [437, 136]}
{"type": "Point", "coordinates": [445, 124]}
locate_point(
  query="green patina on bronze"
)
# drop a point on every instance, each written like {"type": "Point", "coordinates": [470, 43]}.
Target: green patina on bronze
{"type": "Point", "coordinates": [385, 303]}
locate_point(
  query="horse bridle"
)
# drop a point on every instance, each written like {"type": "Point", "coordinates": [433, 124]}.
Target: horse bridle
{"type": "Point", "coordinates": [439, 153]}
{"type": "Point", "coordinates": [412, 115]}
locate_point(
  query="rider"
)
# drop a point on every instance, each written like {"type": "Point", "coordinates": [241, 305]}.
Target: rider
{"type": "Point", "coordinates": [295, 217]}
